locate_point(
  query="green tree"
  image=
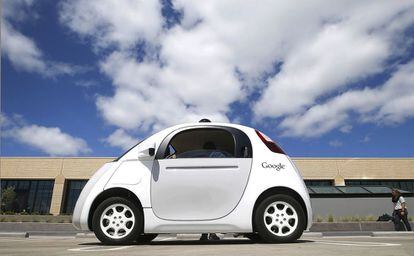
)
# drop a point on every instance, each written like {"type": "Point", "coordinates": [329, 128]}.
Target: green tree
{"type": "Point", "coordinates": [7, 197]}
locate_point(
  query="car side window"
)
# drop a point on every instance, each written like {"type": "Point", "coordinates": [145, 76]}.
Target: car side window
{"type": "Point", "coordinates": [201, 143]}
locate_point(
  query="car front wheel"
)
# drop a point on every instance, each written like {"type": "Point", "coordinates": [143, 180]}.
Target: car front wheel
{"type": "Point", "coordinates": [117, 221]}
{"type": "Point", "coordinates": [279, 218]}
{"type": "Point", "coordinates": [145, 238]}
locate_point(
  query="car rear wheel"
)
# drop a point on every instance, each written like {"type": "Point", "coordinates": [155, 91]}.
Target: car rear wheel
{"type": "Point", "coordinates": [254, 237]}
{"type": "Point", "coordinates": [279, 218]}
{"type": "Point", "coordinates": [117, 221]}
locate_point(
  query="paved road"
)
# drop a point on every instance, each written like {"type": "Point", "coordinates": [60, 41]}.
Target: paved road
{"type": "Point", "coordinates": [169, 246]}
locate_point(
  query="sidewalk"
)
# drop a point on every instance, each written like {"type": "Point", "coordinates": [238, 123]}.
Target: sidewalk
{"type": "Point", "coordinates": [319, 229]}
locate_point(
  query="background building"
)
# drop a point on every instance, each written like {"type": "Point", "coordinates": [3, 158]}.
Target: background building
{"type": "Point", "coordinates": [338, 186]}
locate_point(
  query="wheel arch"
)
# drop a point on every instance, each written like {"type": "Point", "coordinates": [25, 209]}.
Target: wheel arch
{"type": "Point", "coordinates": [112, 192]}
{"type": "Point", "coordinates": [279, 191]}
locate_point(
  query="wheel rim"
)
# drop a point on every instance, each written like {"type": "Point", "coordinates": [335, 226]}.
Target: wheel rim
{"type": "Point", "coordinates": [117, 221]}
{"type": "Point", "coordinates": [281, 218]}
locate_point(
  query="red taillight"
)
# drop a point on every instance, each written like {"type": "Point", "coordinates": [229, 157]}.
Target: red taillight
{"type": "Point", "coordinates": [269, 143]}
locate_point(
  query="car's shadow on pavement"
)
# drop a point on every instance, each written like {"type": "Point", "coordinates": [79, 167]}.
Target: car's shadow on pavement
{"type": "Point", "coordinates": [218, 242]}
{"type": "Point", "coordinates": [197, 242]}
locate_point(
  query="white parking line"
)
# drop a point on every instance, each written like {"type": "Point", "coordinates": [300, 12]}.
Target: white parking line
{"type": "Point", "coordinates": [98, 248]}
{"type": "Point", "coordinates": [352, 243]}
{"type": "Point", "coordinates": [394, 237]}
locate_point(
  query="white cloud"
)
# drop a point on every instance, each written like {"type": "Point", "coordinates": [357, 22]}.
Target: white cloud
{"type": "Point", "coordinates": [390, 103]}
{"type": "Point", "coordinates": [335, 143]}
{"type": "Point", "coordinates": [366, 139]}
{"type": "Point", "coordinates": [86, 83]}
{"type": "Point", "coordinates": [123, 22]}
{"type": "Point", "coordinates": [148, 96]}
{"type": "Point", "coordinates": [121, 139]}
{"type": "Point", "coordinates": [4, 121]}
{"type": "Point", "coordinates": [346, 128]}
{"type": "Point", "coordinates": [21, 50]}
{"type": "Point", "coordinates": [318, 68]}
{"type": "Point", "coordinates": [50, 140]}
{"type": "Point", "coordinates": [222, 50]}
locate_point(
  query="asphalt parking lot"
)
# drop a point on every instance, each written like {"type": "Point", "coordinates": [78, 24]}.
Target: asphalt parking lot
{"type": "Point", "coordinates": [170, 245]}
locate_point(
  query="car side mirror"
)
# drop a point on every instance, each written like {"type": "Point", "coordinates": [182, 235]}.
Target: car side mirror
{"type": "Point", "coordinates": [146, 153]}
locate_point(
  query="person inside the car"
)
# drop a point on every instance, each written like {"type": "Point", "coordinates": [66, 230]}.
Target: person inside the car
{"type": "Point", "coordinates": [212, 151]}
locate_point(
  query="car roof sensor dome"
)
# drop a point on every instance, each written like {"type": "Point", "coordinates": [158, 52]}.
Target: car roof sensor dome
{"type": "Point", "coordinates": [204, 120]}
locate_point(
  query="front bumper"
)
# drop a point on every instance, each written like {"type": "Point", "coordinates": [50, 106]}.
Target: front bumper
{"type": "Point", "coordinates": [92, 189]}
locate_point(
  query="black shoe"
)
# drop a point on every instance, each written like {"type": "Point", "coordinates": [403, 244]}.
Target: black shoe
{"type": "Point", "coordinates": [213, 236]}
{"type": "Point", "coordinates": [203, 237]}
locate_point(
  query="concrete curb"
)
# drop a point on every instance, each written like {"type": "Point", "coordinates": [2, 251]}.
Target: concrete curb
{"type": "Point", "coordinates": [36, 226]}
{"type": "Point", "coordinates": [347, 233]}
{"type": "Point", "coordinates": [197, 236]}
{"type": "Point", "coordinates": [14, 234]}
{"type": "Point", "coordinates": [312, 234]}
{"type": "Point", "coordinates": [51, 233]}
{"type": "Point", "coordinates": [316, 227]}
{"type": "Point", "coordinates": [85, 235]}
{"type": "Point", "coordinates": [392, 234]}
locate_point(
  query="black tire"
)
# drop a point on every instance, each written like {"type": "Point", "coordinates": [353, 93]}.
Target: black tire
{"type": "Point", "coordinates": [145, 238]}
{"type": "Point", "coordinates": [136, 229]}
{"type": "Point", "coordinates": [254, 237]}
{"type": "Point", "coordinates": [266, 234]}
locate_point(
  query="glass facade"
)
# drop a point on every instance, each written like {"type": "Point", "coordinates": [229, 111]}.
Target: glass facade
{"type": "Point", "coordinates": [72, 192]}
{"type": "Point", "coordinates": [407, 185]}
{"type": "Point", "coordinates": [352, 191]}
{"type": "Point", "coordinates": [33, 196]}
{"type": "Point", "coordinates": [319, 183]}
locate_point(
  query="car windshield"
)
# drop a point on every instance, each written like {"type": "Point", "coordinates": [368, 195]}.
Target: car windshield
{"type": "Point", "coordinates": [126, 152]}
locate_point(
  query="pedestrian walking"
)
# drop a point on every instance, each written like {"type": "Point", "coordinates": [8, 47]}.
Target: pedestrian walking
{"type": "Point", "coordinates": [400, 212]}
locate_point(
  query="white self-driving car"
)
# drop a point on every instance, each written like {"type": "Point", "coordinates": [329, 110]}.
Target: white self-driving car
{"type": "Point", "coordinates": [197, 178]}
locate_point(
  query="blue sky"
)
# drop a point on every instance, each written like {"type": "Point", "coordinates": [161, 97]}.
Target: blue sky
{"type": "Point", "coordinates": [91, 78]}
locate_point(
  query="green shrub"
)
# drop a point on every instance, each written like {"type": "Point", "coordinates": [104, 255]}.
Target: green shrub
{"type": "Point", "coordinates": [7, 197]}
{"type": "Point", "coordinates": [8, 213]}
{"type": "Point", "coordinates": [355, 218]}
{"type": "Point", "coordinates": [319, 218]}
{"type": "Point", "coordinates": [330, 218]}
{"type": "Point", "coordinates": [371, 218]}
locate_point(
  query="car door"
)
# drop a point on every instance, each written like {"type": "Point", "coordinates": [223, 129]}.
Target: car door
{"type": "Point", "coordinates": [200, 173]}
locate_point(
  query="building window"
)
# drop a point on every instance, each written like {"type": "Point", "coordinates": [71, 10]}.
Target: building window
{"type": "Point", "coordinates": [319, 183]}
{"type": "Point", "coordinates": [407, 185]}
{"type": "Point", "coordinates": [73, 190]}
{"type": "Point", "coordinates": [32, 196]}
